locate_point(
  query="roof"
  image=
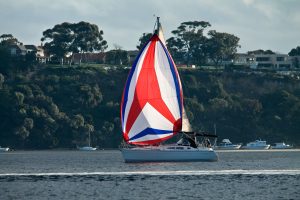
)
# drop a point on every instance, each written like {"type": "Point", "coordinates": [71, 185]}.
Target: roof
{"type": "Point", "coordinates": [18, 46]}
{"type": "Point", "coordinates": [31, 47]}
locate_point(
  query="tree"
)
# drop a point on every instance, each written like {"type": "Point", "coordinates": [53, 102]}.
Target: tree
{"type": "Point", "coordinates": [60, 39]}
{"type": "Point", "coordinates": [2, 79]}
{"type": "Point", "coordinates": [8, 39]}
{"type": "Point", "coordinates": [67, 38]}
{"type": "Point", "coordinates": [221, 46]}
{"type": "Point", "coordinates": [117, 56]}
{"type": "Point", "coordinates": [5, 58]}
{"type": "Point", "coordinates": [296, 53]}
{"type": "Point", "coordinates": [176, 49]}
{"type": "Point", "coordinates": [261, 51]}
{"type": "Point", "coordinates": [188, 41]}
{"type": "Point", "coordinates": [143, 39]}
{"type": "Point", "coordinates": [87, 38]}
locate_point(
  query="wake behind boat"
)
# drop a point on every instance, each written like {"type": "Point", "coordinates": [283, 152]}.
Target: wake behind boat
{"type": "Point", "coordinates": [152, 109]}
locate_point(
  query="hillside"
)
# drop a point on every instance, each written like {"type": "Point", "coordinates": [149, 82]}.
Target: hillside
{"type": "Point", "coordinates": [56, 107]}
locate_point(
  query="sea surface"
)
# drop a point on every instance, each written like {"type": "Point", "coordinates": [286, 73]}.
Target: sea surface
{"type": "Point", "coordinates": [241, 174]}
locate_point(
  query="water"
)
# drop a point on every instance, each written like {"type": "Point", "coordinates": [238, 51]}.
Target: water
{"type": "Point", "coordinates": [104, 175]}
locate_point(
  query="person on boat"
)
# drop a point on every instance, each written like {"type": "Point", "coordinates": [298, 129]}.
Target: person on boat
{"type": "Point", "coordinates": [207, 143]}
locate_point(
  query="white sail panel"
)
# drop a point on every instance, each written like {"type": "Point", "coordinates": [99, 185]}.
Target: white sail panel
{"type": "Point", "coordinates": [156, 121]}
{"type": "Point", "coordinates": [132, 84]}
{"type": "Point", "coordinates": [151, 137]}
{"type": "Point", "coordinates": [153, 82]}
{"type": "Point", "coordinates": [166, 81]}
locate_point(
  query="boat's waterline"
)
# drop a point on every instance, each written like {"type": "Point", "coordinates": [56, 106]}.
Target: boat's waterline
{"type": "Point", "coordinates": [257, 150]}
{"type": "Point", "coordinates": [165, 173]}
{"type": "Point", "coordinates": [162, 154]}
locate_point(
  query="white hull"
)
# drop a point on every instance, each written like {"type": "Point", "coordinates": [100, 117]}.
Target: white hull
{"type": "Point", "coordinates": [87, 149]}
{"type": "Point", "coordinates": [282, 147]}
{"type": "Point", "coordinates": [164, 154]}
{"type": "Point", "coordinates": [233, 147]}
{"type": "Point", "coordinates": [256, 147]}
{"type": "Point", "coordinates": [4, 149]}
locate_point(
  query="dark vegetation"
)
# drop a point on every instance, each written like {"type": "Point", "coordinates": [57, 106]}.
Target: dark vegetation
{"type": "Point", "coordinates": [57, 107]}
{"type": "Point", "coordinates": [54, 106]}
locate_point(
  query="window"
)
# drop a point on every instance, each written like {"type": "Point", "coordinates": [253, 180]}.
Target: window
{"type": "Point", "coordinates": [265, 65]}
{"type": "Point", "coordinates": [280, 58]}
{"type": "Point", "coordinates": [263, 59]}
{"type": "Point", "coordinates": [171, 147]}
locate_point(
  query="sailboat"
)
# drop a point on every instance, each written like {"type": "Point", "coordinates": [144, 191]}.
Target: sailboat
{"type": "Point", "coordinates": [4, 149]}
{"type": "Point", "coordinates": [152, 110]}
{"type": "Point", "coordinates": [89, 147]}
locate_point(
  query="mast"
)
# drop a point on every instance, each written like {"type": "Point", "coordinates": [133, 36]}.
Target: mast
{"type": "Point", "coordinates": [159, 31]}
{"type": "Point", "coordinates": [156, 31]}
{"type": "Point", "coordinates": [89, 139]}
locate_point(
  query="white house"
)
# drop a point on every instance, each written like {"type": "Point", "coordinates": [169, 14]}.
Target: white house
{"type": "Point", "coordinates": [274, 61]}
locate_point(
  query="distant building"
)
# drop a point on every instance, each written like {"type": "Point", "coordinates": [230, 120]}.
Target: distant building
{"type": "Point", "coordinates": [267, 61]}
{"type": "Point", "coordinates": [31, 48]}
{"type": "Point", "coordinates": [22, 50]}
{"type": "Point", "coordinates": [41, 56]}
{"type": "Point", "coordinates": [17, 50]}
{"type": "Point", "coordinates": [132, 55]}
{"type": "Point", "coordinates": [273, 61]}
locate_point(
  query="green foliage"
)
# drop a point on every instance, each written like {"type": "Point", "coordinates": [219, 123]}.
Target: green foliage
{"type": "Point", "coordinates": [117, 57]}
{"type": "Point", "coordinates": [68, 38]}
{"type": "Point", "coordinates": [143, 39]}
{"type": "Point", "coordinates": [295, 51]}
{"type": "Point", "coordinates": [188, 42]}
{"type": "Point", "coordinates": [190, 46]}
{"type": "Point", "coordinates": [59, 107]}
{"type": "Point", "coordinates": [221, 46]}
{"type": "Point", "coordinates": [10, 63]}
{"type": "Point", "coordinates": [8, 39]}
{"type": "Point", "coordinates": [261, 51]}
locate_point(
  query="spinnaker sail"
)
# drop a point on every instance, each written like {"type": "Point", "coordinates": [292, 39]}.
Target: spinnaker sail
{"type": "Point", "coordinates": [152, 102]}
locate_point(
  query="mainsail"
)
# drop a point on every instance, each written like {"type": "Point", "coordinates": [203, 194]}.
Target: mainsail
{"type": "Point", "coordinates": [151, 107]}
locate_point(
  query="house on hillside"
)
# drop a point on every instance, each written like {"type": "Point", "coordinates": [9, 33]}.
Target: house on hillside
{"type": "Point", "coordinates": [17, 50]}
{"type": "Point", "coordinates": [31, 48]}
{"type": "Point", "coordinates": [41, 55]}
{"type": "Point", "coordinates": [22, 50]}
{"type": "Point", "coordinates": [265, 61]}
{"type": "Point", "coordinates": [275, 61]}
{"type": "Point", "coordinates": [132, 55]}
